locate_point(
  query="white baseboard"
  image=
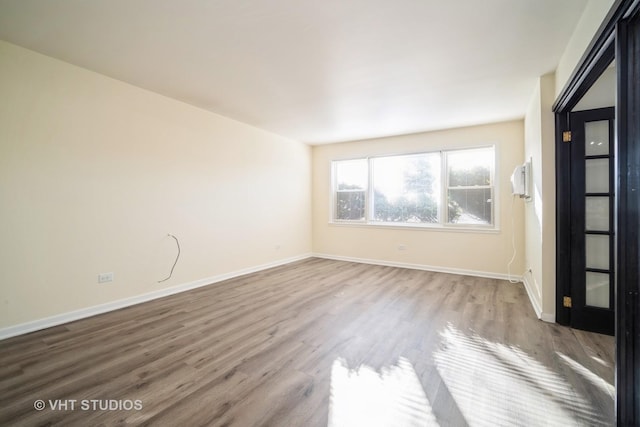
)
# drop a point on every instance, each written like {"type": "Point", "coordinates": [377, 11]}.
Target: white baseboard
{"type": "Point", "coordinates": [60, 319]}
{"type": "Point", "coordinates": [82, 313]}
{"type": "Point", "coordinates": [464, 272]}
{"type": "Point", "coordinates": [535, 302]}
{"type": "Point", "coordinates": [548, 317]}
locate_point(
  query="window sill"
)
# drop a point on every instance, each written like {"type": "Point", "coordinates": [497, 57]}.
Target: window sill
{"type": "Point", "coordinates": [421, 227]}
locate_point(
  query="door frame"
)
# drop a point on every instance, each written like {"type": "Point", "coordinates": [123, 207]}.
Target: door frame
{"type": "Point", "coordinates": [618, 37]}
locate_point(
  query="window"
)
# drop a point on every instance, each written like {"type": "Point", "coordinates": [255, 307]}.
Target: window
{"type": "Point", "coordinates": [412, 189]}
{"type": "Point", "coordinates": [351, 179]}
{"type": "Point", "coordinates": [406, 188]}
{"type": "Point", "coordinates": [470, 186]}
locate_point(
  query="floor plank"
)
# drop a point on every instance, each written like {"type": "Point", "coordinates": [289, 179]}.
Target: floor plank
{"type": "Point", "coordinates": [316, 343]}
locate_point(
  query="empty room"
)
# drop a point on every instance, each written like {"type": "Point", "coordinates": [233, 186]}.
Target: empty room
{"type": "Point", "coordinates": [302, 213]}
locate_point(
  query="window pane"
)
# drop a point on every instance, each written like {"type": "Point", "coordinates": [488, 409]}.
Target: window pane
{"type": "Point", "coordinates": [470, 205]}
{"type": "Point", "coordinates": [596, 138]}
{"type": "Point", "coordinates": [597, 213]}
{"type": "Point", "coordinates": [351, 174]}
{"type": "Point", "coordinates": [597, 291]}
{"type": "Point", "coordinates": [467, 169]}
{"type": "Point", "coordinates": [596, 173]}
{"type": "Point", "coordinates": [470, 167]}
{"type": "Point", "coordinates": [597, 251]}
{"type": "Point", "coordinates": [350, 205]}
{"type": "Point", "coordinates": [406, 188]}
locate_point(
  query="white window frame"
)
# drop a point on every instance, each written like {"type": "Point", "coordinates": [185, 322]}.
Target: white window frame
{"type": "Point", "coordinates": [443, 211]}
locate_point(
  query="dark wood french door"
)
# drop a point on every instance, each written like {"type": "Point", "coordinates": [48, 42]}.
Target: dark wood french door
{"type": "Point", "coordinates": [592, 220]}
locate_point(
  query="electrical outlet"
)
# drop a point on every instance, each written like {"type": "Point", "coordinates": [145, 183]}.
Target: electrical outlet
{"type": "Point", "coordinates": [105, 277]}
{"type": "Point", "coordinates": [402, 247]}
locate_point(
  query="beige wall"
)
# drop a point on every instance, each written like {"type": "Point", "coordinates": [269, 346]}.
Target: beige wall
{"type": "Point", "coordinates": [539, 143]}
{"type": "Point", "coordinates": [591, 19]}
{"type": "Point", "coordinates": [94, 173]}
{"type": "Point", "coordinates": [477, 252]}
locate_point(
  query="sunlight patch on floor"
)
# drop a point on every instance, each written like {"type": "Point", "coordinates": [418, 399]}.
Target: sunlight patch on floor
{"type": "Point", "coordinates": [594, 379]}
{"type": "Point", "coordinates": [495, 384]}
{"type": "Point", "coordinates": [391, 397]}
{"type": "Point", "coordinates": [600, 361]}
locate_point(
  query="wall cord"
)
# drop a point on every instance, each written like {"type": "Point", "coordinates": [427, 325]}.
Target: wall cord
{"type": "Point", "coordinates": [513, 243]}
{"type": "Point", "coordinates": [175, 262]}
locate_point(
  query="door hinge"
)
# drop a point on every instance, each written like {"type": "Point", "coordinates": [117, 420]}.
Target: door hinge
{"type": "Point", "coordinates": [566, 302]}
{"type": "Point", "coordinates": [566, 136]}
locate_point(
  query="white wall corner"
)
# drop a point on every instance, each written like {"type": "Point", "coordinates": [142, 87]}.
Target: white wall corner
{"type": "Point", "coordinates": [534, 296]}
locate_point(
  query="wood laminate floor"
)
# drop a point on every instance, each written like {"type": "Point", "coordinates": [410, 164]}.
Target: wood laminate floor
{"type": "Point", "coordinates": [315, 343]}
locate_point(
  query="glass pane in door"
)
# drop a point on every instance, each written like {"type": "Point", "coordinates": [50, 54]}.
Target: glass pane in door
{"type": "Point", "coordinates": [597, 213]}
{"type": "Point", "coordinates": [597, 289]}
{"type": "Point", "coordinates": [596, 138]}
{"type": "Point", "coordinates": [597, 251]}
{"type": "Point", "coordinates": [596, 177]}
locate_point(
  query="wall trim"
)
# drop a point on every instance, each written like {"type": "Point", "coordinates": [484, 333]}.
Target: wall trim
{"type": "Point", "coordinates": [548, 317]}
{"type": "Point", "coordinates": [59, 319]}
{"type": "Point", "coordinates": [463, 272]}
{"type": "Point", "coordinates": [545, 317]}
{"type": "Point", "coordinates": [535, 303]}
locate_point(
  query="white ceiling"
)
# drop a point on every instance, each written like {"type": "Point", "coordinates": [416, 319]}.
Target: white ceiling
{"type": "Point", "coordinates": [317, 71]}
